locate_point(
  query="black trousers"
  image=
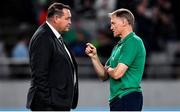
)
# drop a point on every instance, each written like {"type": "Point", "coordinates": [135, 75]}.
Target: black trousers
{"type": "Point", "coordinates": [130, 102]}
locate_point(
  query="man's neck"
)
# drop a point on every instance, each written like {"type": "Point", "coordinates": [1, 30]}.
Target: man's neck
{"type": "Point", "coordinates": [51, 23]}
{"type": "Point", "coordinates": [126, 32]}
{"type": "Point", "coordinates": [53, 29]}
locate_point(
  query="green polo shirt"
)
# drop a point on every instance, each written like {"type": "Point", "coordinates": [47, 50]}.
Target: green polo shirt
{"type": "Point", "coordinates": [131, 52]}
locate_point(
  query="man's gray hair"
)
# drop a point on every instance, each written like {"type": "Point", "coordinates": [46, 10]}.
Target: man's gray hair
{"type": "Point", "coordinates": [124, 13]}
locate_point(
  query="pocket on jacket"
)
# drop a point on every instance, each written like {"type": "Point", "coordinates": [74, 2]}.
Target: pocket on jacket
{"type": "Point", "coordinates": [59, 96]}
{"type": "Point", "coordinates": [42, 96]}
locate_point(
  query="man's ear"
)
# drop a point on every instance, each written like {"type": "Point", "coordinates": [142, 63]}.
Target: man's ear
{"type": "Point", "coordinates": [125, 22]}
{"type": "Point", "coordinates": [56, 18]}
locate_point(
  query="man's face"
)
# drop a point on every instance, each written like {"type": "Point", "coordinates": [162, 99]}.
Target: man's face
{"type": "Point", "coordinates": [117, 25]}
{"type": "Point", "coordinates": [64, 22]}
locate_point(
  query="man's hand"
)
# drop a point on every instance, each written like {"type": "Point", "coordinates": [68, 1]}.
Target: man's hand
{"type": "Point", "coordinates": [92, 53]}
{"type": "Point", "coordinates": [118, 71]}
{"type": "Point", "coordinates": [91, 50]}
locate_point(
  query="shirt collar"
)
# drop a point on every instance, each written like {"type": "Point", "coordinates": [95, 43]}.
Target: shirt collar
{"type": "Point", "coordinates": [126, 38]}
{"type": "Point", "coordinates": [57, 34]}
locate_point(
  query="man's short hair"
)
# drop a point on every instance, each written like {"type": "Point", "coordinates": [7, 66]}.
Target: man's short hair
{"type": "Point", "coordinates": [56, 9]}
{"type": "Point", "coordinates": [124, 13]}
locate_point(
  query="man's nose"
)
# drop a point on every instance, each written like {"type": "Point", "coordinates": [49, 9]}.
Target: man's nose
{"type": "Point", "coordinates": [70, 22]}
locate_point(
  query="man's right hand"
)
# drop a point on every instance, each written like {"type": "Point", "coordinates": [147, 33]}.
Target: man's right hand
{"type": "Point", "coordinates": [99, 68]}
{"type": "Point", "coordinates": [91, 50]}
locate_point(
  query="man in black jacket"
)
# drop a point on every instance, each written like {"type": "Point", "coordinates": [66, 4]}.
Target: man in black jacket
{"type": "Point", "coordinates": [54, 84]}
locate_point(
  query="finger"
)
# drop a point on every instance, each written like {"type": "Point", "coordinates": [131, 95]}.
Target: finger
{"type": "Point", "coordinates": [88, 51]}
{"type": "Point", "coordinates": [90, 45]}
{"type": "Point", "coordinates": [106, 67]}
{"type": "Point", "coordinates": [88, 48]}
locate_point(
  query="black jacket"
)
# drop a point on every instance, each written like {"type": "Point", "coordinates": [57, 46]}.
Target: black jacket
{"type": "Point", "coordinates": [52, 71]}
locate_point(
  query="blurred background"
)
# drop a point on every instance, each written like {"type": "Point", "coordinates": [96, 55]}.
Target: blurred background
{"type": "Point", "coordinates": [157, 23]}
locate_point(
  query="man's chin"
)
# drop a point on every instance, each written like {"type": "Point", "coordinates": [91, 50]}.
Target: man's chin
{"type": "Point", "coordinates": [115, 35]}
{"type": "Point", "coordinates": [64, 31]}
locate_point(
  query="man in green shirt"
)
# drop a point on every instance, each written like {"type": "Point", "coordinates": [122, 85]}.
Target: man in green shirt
{"type": "Point", "coordinates": [125, 66]}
